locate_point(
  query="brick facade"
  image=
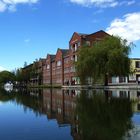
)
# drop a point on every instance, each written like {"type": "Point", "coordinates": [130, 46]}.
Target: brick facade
{"type": "Point", "coordinates": [60, 69]}
{"type": "Point", "coordinates": [47, 70]}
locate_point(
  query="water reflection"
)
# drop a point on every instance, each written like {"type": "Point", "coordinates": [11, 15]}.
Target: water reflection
{"type": "Point", "coordinates": [102, 117]}
{"type": "Point", "coordinates": [99, 115]}
{"type": "Point", "coordinates": [60, 105]}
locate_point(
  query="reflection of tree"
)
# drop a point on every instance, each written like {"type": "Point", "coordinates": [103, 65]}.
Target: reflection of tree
{"type": "Point", "coordinates": [5, 96]}
{"type": "Point", "coordinates": [100, 119]}
{"type": "Point", "coordinates": [34, 103]}
{"type": "Point", "coordinates": [23, 98]}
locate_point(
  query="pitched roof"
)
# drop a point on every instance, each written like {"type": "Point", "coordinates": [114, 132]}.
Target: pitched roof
{"type": "Point", "coordinates": [94, 36]}
{"type": "Point", "coordinates": [64, 51]}
{"type": "Point", "coordinates": [52, 56]}
{"type": "Point", "coordinates": [97, 34]}
{"type": "Point", "coordinates": [79, 34]}
{"type": "Point", "coordinates": [82, 34]}
{"type": "Point", "coordinates": [28, 66]}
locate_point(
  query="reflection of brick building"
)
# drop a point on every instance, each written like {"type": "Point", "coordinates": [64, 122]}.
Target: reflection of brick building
{"type": "Point", "coordinates": [59, 104]}
{"type": "Point", "coordinates": [47, 102]}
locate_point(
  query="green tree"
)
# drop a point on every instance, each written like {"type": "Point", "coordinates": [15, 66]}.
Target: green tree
{"type": "Point", "coordinates": [19, 75]}
{"type": "Point", "coordinates": [23, 74]}
{"type": "Point", "coordinates": [26, 74]}
{"type": "Point", "coordinates": [6, 76]}
{"type": "Point", "coordinates": [108, 57]}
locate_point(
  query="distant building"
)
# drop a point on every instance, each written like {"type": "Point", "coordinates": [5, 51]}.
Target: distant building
{"type": "Point", "coordinates": [33, 73]}
{"type": "Point", "coordinates": [132, 78]}
{"type": "Point", "coordinates": [135, 66]}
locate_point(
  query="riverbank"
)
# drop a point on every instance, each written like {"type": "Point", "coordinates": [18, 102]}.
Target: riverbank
{"type": "Point", "coordinates": [45, 86]}
{"type": "Point", "coordinates": [110, 86]}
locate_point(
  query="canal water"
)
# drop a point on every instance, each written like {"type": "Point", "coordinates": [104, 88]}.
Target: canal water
{"type": "Point", "coordinates": [56, 114]}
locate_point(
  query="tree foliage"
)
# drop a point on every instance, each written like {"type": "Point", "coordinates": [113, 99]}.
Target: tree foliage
{"type": "Point", "coordinates": [19, 75]}
{"type": "Point", "coordinates": [26, 73]}
{"type": "Point", "coordinates": [6, 76]}
{"type": "Point", "coordinates": [23, 75]}
{"type": "Point", "coordinates": [108, 57]}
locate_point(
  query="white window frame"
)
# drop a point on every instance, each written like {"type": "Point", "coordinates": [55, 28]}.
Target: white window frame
{"type": "Point", "coordinates": [59, 63]}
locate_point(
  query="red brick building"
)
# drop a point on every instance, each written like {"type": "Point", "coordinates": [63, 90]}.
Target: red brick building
{"type": "Point", "coordinates": [66, 60]}
{"type": "Point", "coordinates": [59, 69]}
{"type": "Point", "coordinates": [47, 69]}
{"type": "Point", "coordinates": [77, 41]}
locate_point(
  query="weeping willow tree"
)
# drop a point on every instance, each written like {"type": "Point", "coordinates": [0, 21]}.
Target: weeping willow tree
{"type": "Point", "coordinates": [108, 57]}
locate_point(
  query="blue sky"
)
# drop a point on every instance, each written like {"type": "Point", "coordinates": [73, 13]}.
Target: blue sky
{"type": "Point", "coordinates": [30, 29]}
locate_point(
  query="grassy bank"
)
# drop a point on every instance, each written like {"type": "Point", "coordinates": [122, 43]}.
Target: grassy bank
{"type": "Point", "coordinates": [45, 86]}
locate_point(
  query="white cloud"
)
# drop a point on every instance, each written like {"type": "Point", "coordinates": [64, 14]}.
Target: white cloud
{"type": "Point", "coordinates": [127, 27]}
{"type": "Point", "coordinates": [3, 6]}
{"type": "Point", "coordinates": [131, 2]}
{"type": "Point", "coordinates": [102, 3]}
{"type": "Point", "coordinates": [127, 2]}
{"type": "Point", "coordinates": [12, 8]}
{"type": "Point", "coordinates": [11, 4]}
{"type": "Point", "coordinates": [98, 3]}
{"type": "Point", "coordinates": [2, 68]}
